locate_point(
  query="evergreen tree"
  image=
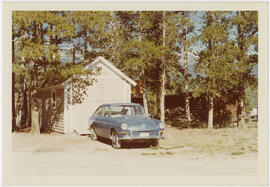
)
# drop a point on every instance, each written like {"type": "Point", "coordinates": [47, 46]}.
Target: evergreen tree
{"type": "Point", "coordinates": [245, 51]}
{"type": "Point", "coordinates": [36, 54]}
{"type": "Point", "coordinates": [215, 62]}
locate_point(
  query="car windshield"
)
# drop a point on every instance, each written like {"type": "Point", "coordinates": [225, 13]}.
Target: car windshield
{"type": "Point", "coordinates": [124, 110]}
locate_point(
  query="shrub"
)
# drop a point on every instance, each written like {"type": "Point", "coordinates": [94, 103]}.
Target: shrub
{"type": "Point", "coordinates": [177, 117]}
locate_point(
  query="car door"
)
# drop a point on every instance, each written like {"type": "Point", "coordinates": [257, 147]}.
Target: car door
{"type": "Point", "coordinates": [108, 122]}
{"type": "Point", "coordinates": [104, 125]}
{"type": "Point", "coordinates": [98, 120]}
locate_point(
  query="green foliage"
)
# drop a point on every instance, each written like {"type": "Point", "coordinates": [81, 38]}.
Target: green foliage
{"type": "Point", "coordinates": [36, 56]}
{"type": "Point", "coordinates": [215, 63]}
{"type": "Point", "coordinates": [133, 42]}
{"type": "Point", "coordinates": [237, 153]}
{"type": "Point", "coordinates": [226, 63]}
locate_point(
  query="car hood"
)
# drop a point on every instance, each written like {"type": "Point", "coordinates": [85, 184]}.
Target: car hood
{"type": "Point", "coordinates": [139, 122]}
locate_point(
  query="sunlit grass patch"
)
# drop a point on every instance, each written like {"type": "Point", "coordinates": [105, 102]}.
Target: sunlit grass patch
{"type": "Point", "coordinates": [215, 141]}
{"type": "Point", "coordinates": [252, 124]}
{"type": "Point", "coordinates": [166, 153]}
{"type": "Point", "coordinates": [171, 147]}
{"type": "Point", "coordinates": [253, 150]}
{"type": "Point", "coordinates": [148, 154]}
{"type": "Point", "coordinates": [237, 153]}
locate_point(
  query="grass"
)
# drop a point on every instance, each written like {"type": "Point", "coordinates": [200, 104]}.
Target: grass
{"type": "Point", "coordinates": [252, 124]}
{"type": "Point", "coordinates": [161, 153]}
{"type": "Point", "coordinates": [148, 154]}
{"type": "Point", "coordinates": [172, 147]}
{"type": "Point", "coordinates": [229, 141]}
{"type": "Point", "coordinates": [237, 153]}
{"type": "Point", "coordinates": [253, 150]}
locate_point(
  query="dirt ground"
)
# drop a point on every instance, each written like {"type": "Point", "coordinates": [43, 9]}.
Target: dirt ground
{"type": "Point", "coordinates": [74, 155]}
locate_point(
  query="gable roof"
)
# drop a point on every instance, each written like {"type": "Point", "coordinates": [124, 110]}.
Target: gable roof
{"type": "Point", "coordinates": [112, 68]}
{"type": "Point", "coordinates": [92, 65]}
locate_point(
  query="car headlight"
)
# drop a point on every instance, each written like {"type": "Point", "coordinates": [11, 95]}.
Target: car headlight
{"type": "Point", "coordinates": [124, 126]}
{"type": "Point", "coordinates": [162, 125]}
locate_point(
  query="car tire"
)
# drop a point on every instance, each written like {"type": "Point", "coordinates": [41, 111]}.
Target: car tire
{"type": "Point", "coordinates": [115, 140]}
{"type": "Point", "coordinates": [93, 134]}
{"type": "Point", "coordinates": [154, 143]}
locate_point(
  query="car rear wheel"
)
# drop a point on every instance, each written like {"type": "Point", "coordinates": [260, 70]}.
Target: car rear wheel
{"type": "Point", "coordinates": [93, 133]}
{"type": "Point", "coordinates": [115, 140]}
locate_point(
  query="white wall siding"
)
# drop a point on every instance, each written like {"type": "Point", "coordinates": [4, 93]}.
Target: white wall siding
{"type": "Point", "coordinates": [112, 86]}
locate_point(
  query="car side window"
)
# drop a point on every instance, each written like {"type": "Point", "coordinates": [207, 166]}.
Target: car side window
{"type": "Point", "coordinates": [99, 111]}
{"type": "Point", "coordinates": [106, 111]}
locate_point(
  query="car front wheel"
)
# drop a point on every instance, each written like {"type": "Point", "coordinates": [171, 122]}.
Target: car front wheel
{"type": "Point", "coordinates": [154, 143]}
{"type": "Point", "coordinates": [93, 133]}
{"type": "Point", "coordinates": [115, 141]}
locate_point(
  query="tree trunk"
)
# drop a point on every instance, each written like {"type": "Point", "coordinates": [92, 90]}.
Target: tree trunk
{"type": "Point", "coordinates": [211, 99]}
{"type": "Point", "coordinates": [158, 103]}
{"type": "Point", "coordinates": [84, 42]}
{"type": "Point", "coordinates": [13, 104]}
{"type": "Point", "coordinates": [35, 32]}
{"type": "Point", "coordinates": [241, 123]}
{"type": "Point", "coordinates": [210, 113]}
{"type": "Point", "coordinates": [241, 116]}
{"type": "Point", "coordinates": [42, 43]}
{"type": "Point", "coordinates": [145, 103]}
{"type": "Point", "coordinates": [112, 48]}
{"type": "Point", "coordinates": [163, 74]}
{"type": "Point", "coordinates": [162, 96]}
{"type": "Point", "coordinates": [35, 128]}
{"type": "Point", "coordinates": [35, 122]}
{"type": "Point", "coordinates": [21, 121]}
{"type": "Point", "coordinates": [25, 108]}
{"type": "Point", "coordinates": [51, 36]}
{"type": "Point", "coordinates": [74, 51]}
{"type": "Point", "coordinates": [13, 88]}
{"type": "Point", "coordinates": [41, 33]}
{"type": "Point", "coordinates": [29, 113]}
{"type": "Point", "coordinates": [187, 109]}
{"type": "Point", "coordinates": [51, 42]}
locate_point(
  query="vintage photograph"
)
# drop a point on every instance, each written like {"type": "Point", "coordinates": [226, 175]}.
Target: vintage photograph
{"type": "Point", "coordinates": [134, 93]}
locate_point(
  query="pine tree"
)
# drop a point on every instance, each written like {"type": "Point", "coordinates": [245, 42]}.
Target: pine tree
{"type": "Point", "coordinates": [246, 54]}
{"type": "Point", "coordinates": [138, 44]}
{"type": "Point", "coordinates": [215, 64]}
{"type": "Point", "coordinates": [37, 57]}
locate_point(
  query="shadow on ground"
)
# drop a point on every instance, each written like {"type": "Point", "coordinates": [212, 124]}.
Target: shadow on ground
{"type": "Point", "coordinates": [127, 145]}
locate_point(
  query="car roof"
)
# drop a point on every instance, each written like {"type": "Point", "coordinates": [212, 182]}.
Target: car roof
{"type": "Point", "coordinates": [116, 104]}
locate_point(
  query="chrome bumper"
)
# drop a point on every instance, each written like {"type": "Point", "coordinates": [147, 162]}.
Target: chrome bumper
{"type": "Point", "coordinates": [137, 135]}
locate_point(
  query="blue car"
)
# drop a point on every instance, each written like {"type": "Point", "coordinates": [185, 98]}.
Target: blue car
{"type": "Point", "coordinates": [125, 122]}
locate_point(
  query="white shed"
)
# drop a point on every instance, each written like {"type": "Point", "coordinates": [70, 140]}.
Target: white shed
{"type": "Point", "coordinates": [58, 112]}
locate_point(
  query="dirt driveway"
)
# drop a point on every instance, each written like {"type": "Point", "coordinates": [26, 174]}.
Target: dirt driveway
{"type": "Point", "coordinates": [74, 155]}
